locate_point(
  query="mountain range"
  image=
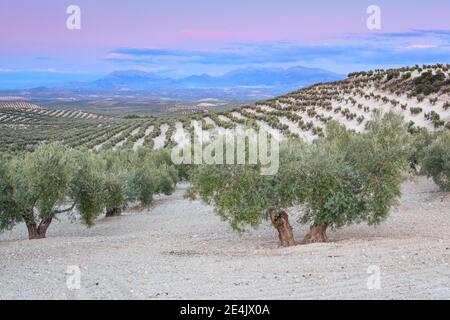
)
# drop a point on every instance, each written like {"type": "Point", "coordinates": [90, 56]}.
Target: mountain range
{"type": "Point", "coordinates": [241, 84]}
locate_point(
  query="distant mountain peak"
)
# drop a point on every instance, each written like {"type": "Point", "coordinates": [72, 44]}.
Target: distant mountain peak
{"type": "Point", "coordinates": [241, 84]}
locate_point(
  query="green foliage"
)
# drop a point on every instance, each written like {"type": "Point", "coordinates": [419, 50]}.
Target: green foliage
{"type": "Point", "coordinates": [415, 110]}
{"type": "Point", "coordinates": [420, 141]}
{"type": "Point", "coordinates": [393, 74]}
{"type": "Point", "coordinates": [428, 82]}
{"type": "Point", "coordinates": [435, 160]}
{"type": "Point", "coordinates": [35, 186]}
{"type": "Point", "coordinates": [167, 176]}
{"type": "Point", "coordinates": [132, 116]}
{"type": "Point", "coordinates": [9, 208]}
{"type": "Point", "coordinates": [116, 173]}
{"type": "Point", "coordinates": [16, 199]}
{"type": "Point", "coordinates": [329, 180]}
{"type": "Point", "coordinates": [151, 173]}
{"type": "Point", "coordinates": [47, 171]}
{"type": "Point", "coordinates": [87, 186]}
{"type": "Point", "coordinates": [115, 190]}
{"type": "Point", "coordinates": [244, 197]}
{"type": "Point", "coordinates": [144, 183]}
{"type": "Point", "coordinates": [341, 179]}
{"type": "Point", "coordinates": [351, 178]}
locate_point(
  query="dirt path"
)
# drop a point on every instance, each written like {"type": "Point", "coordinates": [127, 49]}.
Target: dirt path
{"type": "Point", "coordinates": [182, 250]}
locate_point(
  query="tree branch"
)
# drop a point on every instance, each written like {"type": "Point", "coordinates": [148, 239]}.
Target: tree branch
{"type": "Point", "coordinates": [65, 210]}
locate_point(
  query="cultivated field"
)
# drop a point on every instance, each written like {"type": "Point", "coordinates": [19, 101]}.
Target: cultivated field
{"type": "Point", "coordinates": [420, 94]}
{"type": "Point", "coordinates": [150, 236]}
{"type": "Point", "coordinates": [181, 250]}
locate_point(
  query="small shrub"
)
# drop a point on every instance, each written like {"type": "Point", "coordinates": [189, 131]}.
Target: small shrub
{"type": "Point", "coordinates": [415, 110]}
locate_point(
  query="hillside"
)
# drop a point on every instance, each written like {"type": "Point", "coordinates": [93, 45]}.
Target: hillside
{"type": "Point", "coordinates": [414, 92]}
{"type": "Point", "coordinates": [421, 94]}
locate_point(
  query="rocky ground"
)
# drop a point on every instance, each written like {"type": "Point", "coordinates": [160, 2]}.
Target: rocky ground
{"type": "Point", "coordinates": [181, 250]}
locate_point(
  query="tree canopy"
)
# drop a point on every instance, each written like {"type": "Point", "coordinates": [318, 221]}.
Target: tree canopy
{"type": "Point", "coordinates": [340, 179]}
{"type": "Point", "coordinates": [37, 186]}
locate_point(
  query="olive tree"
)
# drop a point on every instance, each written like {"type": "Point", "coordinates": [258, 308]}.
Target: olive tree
{"type": "Point", "coordinates": [33, 188]}
{"type": "Point", "coordinates": [245, 198]}
{"type": "Point", "coordinates": [10, 213]}
{"type": "Point", "coordinates": [420, 140]}
{"type": "Point", "coordinates": [340, 179]}
{"type": "Point", "coordinates": [87, 185]}
{"type": "Point", "coordinates": [435, 160]}
{"type": "Point", "coordinates": [351, 178]}
{"type": "Point", "coordinates": [54, 179]}
{"type": "Point", "coordinates": [36, 187]}
{"type": "Point", "coordinates": [151, 173]}
{"type": "Point", "coordinates": [128, 176]}
{"type": "Point", "coordinates": [116, 173]}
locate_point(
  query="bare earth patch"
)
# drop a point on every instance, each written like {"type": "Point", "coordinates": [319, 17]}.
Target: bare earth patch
{"type": "Point", "coordinates": [181, 250]}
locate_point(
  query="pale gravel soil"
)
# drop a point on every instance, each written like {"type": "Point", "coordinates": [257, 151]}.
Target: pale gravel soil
{"type": "Point", "coordinates": [140, 142]}
{"type": "Point", "coordinates": [161, 139]}
{"type": "Point", "coordinates": [181, 249]}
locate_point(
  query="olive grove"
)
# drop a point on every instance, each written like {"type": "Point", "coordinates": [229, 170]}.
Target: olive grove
{"type": "Point", "coordinates": [35, 187]}
{"type": "Point", "coordinates": [340, 179]}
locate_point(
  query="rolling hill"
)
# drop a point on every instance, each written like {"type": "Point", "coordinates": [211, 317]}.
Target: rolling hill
{"type": "Point", "coordinates": [421, 94]}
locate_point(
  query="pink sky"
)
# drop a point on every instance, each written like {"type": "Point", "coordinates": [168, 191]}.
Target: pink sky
{"type": "Point", "coordinates": [31, 30]}
{"type": "Point", "coordinates": [207, 24]}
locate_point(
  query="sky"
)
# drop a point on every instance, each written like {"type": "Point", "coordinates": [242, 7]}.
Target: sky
{"type": "Point", "coordinates": [177, 38]}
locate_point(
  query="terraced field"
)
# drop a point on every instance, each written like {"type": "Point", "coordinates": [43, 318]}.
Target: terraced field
{"type": "Point", "coordinates": [421, 94]}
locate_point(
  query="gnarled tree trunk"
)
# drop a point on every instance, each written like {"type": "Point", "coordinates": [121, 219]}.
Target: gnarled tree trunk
{"type": "Point", "coordinates": [317, 233]}
{"type": "Point", "coordinates": [32, 231]}
{"type": "Point", "coordinates": [115, 212]}
{"type": "Point", "coordinates": [38, 232]}
{"type": "Point", "coordinates": [281, 222]}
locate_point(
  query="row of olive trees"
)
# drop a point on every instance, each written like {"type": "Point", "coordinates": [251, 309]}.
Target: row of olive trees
{"type": "Point", "coordinates": [36, 187]}
{"type": "Point", "coordinates": [341, 179]}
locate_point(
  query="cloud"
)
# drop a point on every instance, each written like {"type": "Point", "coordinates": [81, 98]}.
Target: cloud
{"type": "Point", "coordinates": [420, 46]}
{"type": "Point", "coordinates": [45, 70]}
{"type": "Point", "coordinates": [343, 54]}
{"type": "Point", "coordinates": [415, 33]}
{"type": "Point", "coordinates": [243, 53]}
{"type": "Point", "coordinates": [51, 70]}
{"type": "Point", "coordinates": [118, 56]}
{"type": "Point", "coordinates": [364, 52]}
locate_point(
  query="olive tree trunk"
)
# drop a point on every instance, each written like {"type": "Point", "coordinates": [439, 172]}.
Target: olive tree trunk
{"type": "Point", "coordinates": [281, 222]}
{"type": "Point", "coordinates": [114, 212]}
{"type": "Point", "coordinates": [38, 232]}
{"type": "Point", "coordinates": [317, 233]}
